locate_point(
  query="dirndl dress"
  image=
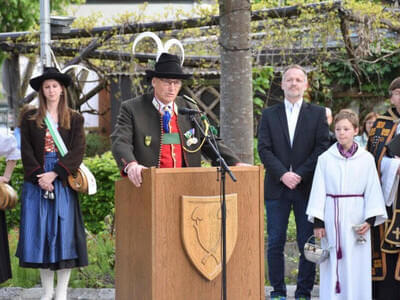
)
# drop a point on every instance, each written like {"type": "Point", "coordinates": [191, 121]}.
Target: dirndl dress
{"type": "Point", "coordinates": [52, 234]}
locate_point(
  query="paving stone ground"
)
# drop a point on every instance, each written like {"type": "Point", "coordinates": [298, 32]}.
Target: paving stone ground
{"type": "Point", "coordinates": [73, 294]}
{"type": "Point", "coordinates": [100, 294]}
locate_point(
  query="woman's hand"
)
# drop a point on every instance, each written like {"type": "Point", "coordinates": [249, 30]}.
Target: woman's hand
{"type": "Point", "coordinates": [319, 232]}
{"type": "Point", "coordinates": [47, 187]}
{"type": "Point", "coordinates": [46, 180]}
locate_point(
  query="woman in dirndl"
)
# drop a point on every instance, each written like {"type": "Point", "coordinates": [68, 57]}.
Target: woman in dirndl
{"type": "Point", "coordinates": [8, 149]}
{"type": "Point", "coordinates": [52, 234]}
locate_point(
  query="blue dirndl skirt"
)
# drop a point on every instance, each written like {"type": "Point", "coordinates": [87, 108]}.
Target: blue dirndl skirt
{"type": "Point", "coordinates": [52, 233]}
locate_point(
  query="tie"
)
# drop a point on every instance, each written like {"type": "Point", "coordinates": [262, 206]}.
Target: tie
{"type": "Point", "coordinates": [166, 118]}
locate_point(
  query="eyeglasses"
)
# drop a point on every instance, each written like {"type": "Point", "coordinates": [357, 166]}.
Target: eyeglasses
{"type": "Point", "coordinates": [175, 82]}
{"type": "Point", "coordinates": [396, 94]}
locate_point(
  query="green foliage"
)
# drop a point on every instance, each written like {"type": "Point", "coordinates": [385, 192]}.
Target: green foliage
{"type": "Point", "coordinates": [262, 78]}
{"type": "Point", "coordinates": [99, 274]}
{"type": "Point", "coordinates": [257, 160]}
{"type": "Point", "coordinates": [21, 277]}
{"type": "Point", "coordinates": [17, 180]}
{"type": "Point", "coordinates": [336, 85]}
{"type": "Point", "coordinates": [22, 15]}
{"type": "Point", "coordinates": [96, 144]}
{"type": "Point", "coordinates": [100, 271]}
{"type": "Point", "coordinates": [96, 207]}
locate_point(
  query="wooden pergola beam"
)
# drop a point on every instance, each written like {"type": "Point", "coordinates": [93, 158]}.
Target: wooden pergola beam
{"type": "Point", "coordinates": [133, 28]}
{"type": "Point", "coordinates": [191, 61]}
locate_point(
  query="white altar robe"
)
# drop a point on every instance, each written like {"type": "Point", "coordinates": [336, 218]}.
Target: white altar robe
{"type": "Point", "coordinates": [337, 175]}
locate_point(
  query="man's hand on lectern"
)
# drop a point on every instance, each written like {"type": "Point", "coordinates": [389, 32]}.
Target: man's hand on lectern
{"type": "Point", "coordinates": [134, 172]}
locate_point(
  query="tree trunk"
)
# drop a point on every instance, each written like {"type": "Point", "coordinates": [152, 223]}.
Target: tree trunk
{"type": "Point", "coordinates": [236, 114]}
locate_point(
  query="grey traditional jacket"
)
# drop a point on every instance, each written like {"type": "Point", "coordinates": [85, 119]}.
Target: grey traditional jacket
{"type": "Point", "coordinates": [138, 136]}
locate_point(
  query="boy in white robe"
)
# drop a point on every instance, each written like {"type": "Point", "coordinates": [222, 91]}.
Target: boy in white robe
{"type": "Point", "coordinates": [345, 192]}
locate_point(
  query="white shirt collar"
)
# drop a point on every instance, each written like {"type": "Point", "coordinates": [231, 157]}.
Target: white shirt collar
{"type": "Point", "coordinates": [289, 105]}
{"type": "Point", "coordinates": [160, 106]}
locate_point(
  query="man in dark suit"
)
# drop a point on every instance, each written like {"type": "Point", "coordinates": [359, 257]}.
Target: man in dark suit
{"type": "Point", "coordinates": [149, 132]}
{"type": "Point", "coordinates": [291, 137]}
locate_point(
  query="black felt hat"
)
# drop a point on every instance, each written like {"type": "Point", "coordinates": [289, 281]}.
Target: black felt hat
{"type": "Point", "coordinates": [50, 73]}
{"type": "Point", "coordinates": [167, 66]}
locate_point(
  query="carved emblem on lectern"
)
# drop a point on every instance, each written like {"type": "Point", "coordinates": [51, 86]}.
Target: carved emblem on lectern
{"type": "Point", "coordinates": [201, 231]}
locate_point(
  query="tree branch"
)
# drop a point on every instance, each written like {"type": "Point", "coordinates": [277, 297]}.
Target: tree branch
{"type": "Point", "coordinates": [344, 28]}
{"type": "Point", "coordinates": [92, 92]}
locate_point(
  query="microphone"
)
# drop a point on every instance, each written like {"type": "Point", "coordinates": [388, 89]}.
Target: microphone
{"type": "Point", "coordinates": [188, 111]}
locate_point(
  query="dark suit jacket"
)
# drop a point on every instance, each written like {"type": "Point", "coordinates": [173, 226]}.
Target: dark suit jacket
{"type": "Point", "coordinates": [311, 138]}
{"type": "Point", "coordinates": [32, 147]}
{"type": "Point", "coordinates": [138, 134]}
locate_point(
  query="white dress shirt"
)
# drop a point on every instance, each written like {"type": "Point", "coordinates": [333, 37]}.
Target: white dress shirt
{"type": "Point", "coordinates": [292, 114]}
{"type": "Point", "coordinates": [9, 148]}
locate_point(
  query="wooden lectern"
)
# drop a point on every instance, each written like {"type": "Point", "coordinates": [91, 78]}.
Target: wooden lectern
{"type": "Point", "coordinates": [153, 254]}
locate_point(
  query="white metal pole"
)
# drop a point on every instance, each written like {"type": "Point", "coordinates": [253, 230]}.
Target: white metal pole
{"type": "Point", "coordinates": [45, 57]}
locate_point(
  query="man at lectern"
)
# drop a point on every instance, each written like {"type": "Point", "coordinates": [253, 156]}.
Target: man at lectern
{"type": "Point", "coordinates": [149, 132]}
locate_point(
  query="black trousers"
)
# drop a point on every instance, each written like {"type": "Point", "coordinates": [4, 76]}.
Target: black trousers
{"type": "Point", "coordinates": [5, 266]}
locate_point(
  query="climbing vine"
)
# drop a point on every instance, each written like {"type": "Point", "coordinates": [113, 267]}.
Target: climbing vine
{"type": "Point", "coordinates": [351, 46]}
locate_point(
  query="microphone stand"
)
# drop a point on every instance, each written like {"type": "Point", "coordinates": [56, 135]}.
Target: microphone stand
{"type": "Point", "coordinates": [223, 169]}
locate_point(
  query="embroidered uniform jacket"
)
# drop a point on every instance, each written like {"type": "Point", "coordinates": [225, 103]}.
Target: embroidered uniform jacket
{"type": "Point", "coordinates": [384, 238]}
{"type": "Point", "coordinates": [32, 147]}
{"type": "Point", "coordinates": [138, 136]}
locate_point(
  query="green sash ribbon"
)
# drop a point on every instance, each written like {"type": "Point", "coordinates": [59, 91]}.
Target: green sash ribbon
{"type": "Point", "coordinates": [51, 125]}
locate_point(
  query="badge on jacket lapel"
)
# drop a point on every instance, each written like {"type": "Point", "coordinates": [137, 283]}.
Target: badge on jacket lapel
{"type": "Point", "coordinates": [191, 139]}
{"type": "Point", "coordinates": [147, 140]}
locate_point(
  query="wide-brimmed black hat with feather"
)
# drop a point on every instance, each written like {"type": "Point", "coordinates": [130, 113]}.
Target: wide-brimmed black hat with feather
{"type": "Point", "coordinates": [167, 66]}
{"type": "Point", "coordinates": [50, 73]}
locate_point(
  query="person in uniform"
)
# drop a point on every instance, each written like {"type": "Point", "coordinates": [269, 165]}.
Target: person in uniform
{"type": "Point", "coordinates": [151, 133]}
{"type": "Point", "coordinates": [386, 238]}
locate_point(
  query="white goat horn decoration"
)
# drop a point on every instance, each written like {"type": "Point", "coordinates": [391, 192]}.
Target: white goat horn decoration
{"type": "Point", "coordinates": [79, 67]}
{"type": "Point", "coordinates": [160, 47]}
{"type": "Point", "coordinates": [54, 59]}
{"type": "Point", "coordinates": [172, 42]}
{"type": "Point", "coordinates": [74, 66]}
{"type": "Point", "coordinates": [66, 68]}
